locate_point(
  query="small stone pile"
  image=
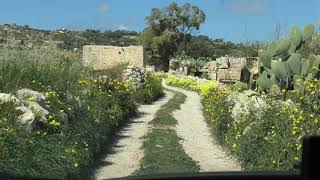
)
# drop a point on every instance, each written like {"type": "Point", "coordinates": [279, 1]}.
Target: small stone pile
{"type": "Point", "coordinates": [135, 75]}
{"type": "Point", "coordinates": [30, 107]}
{"type": "Point", "coordinates": [242, 103]}
{"type": "Point", "coordinates": [27, 104]}
{"type": "Point", "coordinates": [245, 101]}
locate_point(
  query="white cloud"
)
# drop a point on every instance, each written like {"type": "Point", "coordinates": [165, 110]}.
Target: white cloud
{"type": "Point", "coordinates": [103, 8]}
{"type": "Point", "coordinates": [247, 6]}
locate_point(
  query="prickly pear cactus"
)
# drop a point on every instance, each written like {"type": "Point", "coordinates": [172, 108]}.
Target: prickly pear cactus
{"type": "Point", "coordinates": [281, 64]}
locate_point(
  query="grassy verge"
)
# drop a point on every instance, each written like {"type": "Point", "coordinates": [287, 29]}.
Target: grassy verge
{"type": "Point", "coordinates": [162, 151]}
{"type": "Point", "coordinates": [164, 115]}
{"type": "Point", "coordinates": [95, 108]}
{"type": "Point", "coordinates": [267, 138]}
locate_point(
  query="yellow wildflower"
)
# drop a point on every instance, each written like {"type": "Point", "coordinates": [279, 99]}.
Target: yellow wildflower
{"type": "Point", "coordinates": [234, 145]}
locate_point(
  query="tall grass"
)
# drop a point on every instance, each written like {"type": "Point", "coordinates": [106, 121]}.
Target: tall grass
{"type": "Point", "coordinates": [95, 109]}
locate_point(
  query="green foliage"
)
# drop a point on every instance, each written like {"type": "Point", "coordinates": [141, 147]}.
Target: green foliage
{"type": "Point", "coordinates": [264, 82]}
{"type": "Point", "coordinates": [282, 47]}
{"type": "Point", "coordinates": [295, 63]}
{"type": "Point", "coordinates": [204, 76]}
{"type": "Point", "coordinates": [191, 84]}
{"type": "Point", "coordinates": [151, 89]}
{"type": "Point", "coordinates": [282, 61]}
{"type": "Point", "coordinates": [202, 46]}
{"type": "Point", "coordinates": [308, 32]}
{"type": "Point", "coordinates": [95, 107]}
{"type": "Point", "coordinates": [240, 86]}
{"type": "Point", "coordinates": [167, 29]}
{"type": "Point", "coordinates": [183, 60]}
{"type": "Point", "coordinates": [265, 58]}
{"type": "Point", "coordinates": [158, 48]}
{"type": "Point", "coordinates": [268, 140]}
{"type": "Point", "coordinates": [164, 154]}
{"type": "Point", "coordinates": [164, 115]}
{"type": "Point", "coordinates": [279, 69]}
{"type": "Point", "coordinates": [296, 39]}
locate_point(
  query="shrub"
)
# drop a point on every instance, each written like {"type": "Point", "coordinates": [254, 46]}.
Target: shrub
{"type": "Point", "coordinates": [191, 84]}
{"type": "Point", "coordinates": [265, 140]}
{"type": "Point", "coordinates": [151, 89]}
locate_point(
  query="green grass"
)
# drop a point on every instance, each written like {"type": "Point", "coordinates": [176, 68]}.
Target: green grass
{"type": "Point", "coordinates": [164, 154]}
{"type": "Point", "coordinates": [164, 115]}
{"type": "Point", "coordinates": [162, 151]}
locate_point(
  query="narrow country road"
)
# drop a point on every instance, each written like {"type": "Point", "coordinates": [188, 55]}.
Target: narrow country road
{"type": "Point", "coordinates": [127, 152]}
{"type": "Point", "coordinates": [192, 128]}
{"type": "Point", "coordinates": [197, 140]}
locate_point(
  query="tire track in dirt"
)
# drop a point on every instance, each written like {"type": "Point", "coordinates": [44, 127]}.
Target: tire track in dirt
{"type": "Point", "coordinates": [127, 152]}
{"type": "Point", "coordinates": [197, 141]}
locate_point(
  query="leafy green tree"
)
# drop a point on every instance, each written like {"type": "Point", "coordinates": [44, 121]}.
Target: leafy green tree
{"type": "Point", "coordinates": [167, 29]}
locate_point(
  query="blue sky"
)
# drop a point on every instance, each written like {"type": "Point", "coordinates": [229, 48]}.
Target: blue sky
{"type": "Point", "coordinates": [226, 19]}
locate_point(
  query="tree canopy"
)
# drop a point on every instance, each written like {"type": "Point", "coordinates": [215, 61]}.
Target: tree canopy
{"type": "Point", "coordinates": [168, 28]}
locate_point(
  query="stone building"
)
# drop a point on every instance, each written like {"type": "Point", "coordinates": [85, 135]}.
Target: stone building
{"type": "Point", "coordinates": [105, 57]}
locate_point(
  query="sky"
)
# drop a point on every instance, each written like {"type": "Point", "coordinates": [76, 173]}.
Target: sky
{"type": "Point", "coordinates": [231, 20]}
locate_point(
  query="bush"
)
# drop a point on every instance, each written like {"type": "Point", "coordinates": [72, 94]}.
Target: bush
{"type": "Point", "coordinates": [266, 140]}
{"type": "Point", "coordinates": [191, 84]}
{"type": "Point", "coordinates": [151, 89]}
{"type": "Point", "coordinates": [240, 86]}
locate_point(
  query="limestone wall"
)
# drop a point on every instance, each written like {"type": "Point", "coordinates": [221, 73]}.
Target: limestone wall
{"type": "Point", "coordinates": [105, 57]}
{"type": "Point", "coordinates": [230, 69]}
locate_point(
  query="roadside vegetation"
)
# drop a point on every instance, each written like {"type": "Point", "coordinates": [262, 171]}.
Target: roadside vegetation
{"type": "Point", "coordinates": [95, 108]}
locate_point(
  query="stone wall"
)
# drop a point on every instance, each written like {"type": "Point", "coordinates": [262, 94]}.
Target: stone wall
{"type": "Point", "coordinates": [106, 57]}
{"type": "Point", "coordinates": [230, 69]}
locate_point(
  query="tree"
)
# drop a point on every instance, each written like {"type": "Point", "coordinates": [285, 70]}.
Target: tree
{"type": "Point", "coordinates": [168, 28]}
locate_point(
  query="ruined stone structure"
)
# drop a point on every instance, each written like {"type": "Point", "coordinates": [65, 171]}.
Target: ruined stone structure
{"type": "Point", "coordinates": [230, 69]}
{"type": "Point", "coordinates": [106, 57]}
{"type": "Point", "coordinates": [224, 69]}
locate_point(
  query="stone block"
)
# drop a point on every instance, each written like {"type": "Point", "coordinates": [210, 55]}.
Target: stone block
{"type": "Point", "coordinates": [106, 57]}
{"type": "Point", "coordinates": [222, 62]}
{"type": "Point", "coordinates": [229, 74]}
{"type": "Point", "coordinates": [237, 63]}
{"type": "Point", "coordinates": [252, 65]}
{"type": "Point", "coordinates": [212, 66]}
{"type": "Point", "coordinates": [212, 75]}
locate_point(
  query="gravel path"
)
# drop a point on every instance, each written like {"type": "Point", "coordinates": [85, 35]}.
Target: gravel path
{"type": "Point", "coordinates": [127, 153]}
{"type": "Point", "coordinates": [197, 140]}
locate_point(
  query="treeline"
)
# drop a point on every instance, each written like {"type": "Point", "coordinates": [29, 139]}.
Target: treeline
{"type": "Point", "coordinates": [203, 46]}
